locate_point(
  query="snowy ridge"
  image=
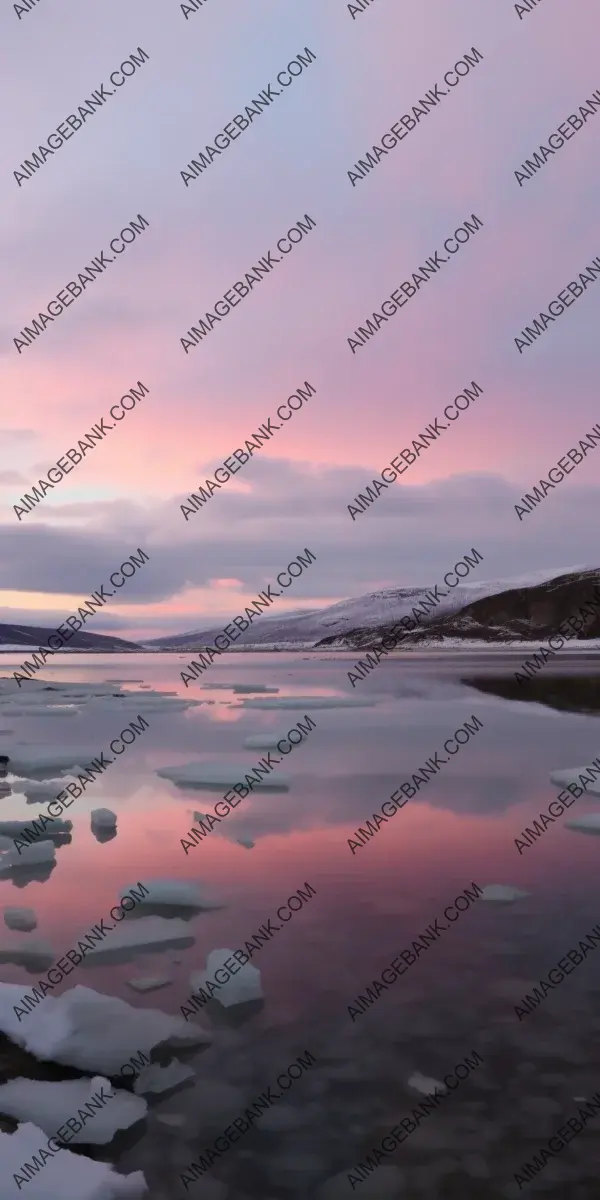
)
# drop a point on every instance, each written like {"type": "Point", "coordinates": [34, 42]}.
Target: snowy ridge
{"type": "Point", "coordinates": [303, 628]}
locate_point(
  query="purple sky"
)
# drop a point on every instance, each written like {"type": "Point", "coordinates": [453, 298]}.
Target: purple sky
{"type": "Point", "coordinates": [294, 158]}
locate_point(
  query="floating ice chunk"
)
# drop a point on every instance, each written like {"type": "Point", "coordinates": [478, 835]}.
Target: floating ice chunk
{"type": "Point", "coordinates": [245, 985]}
{"type": "Point", "coordinates": [148, 935]}
{"type": "Point", "coordinates": [23, 919]}
{"type": "Point", "coordinates": [92, 1031]}
{"type": "Point", "coordinates": [66, 1176]}
{"type": "Point", "coordinates": [147, 704]}
{"type": "Point", "coordinates": [173, 893]}
{"type": "Point", "coordinates": [103, 818]}
{"type": "Point", "coordinates": [36, 710]}
{"type": "Point", "coordinates": [241, 689]}
{"type": "Point", "coordinates": [161, 1079]}
{"type": "Point", "coordinates": [34, 956]}
{"type": "Point", "coordinates": [590, 823]}
{"type": "Point", "coordinates": [49, 1105]}
{"type": "Point", "coordinates": [311, 702]}
{"type": "Point", "coordinates": [104, 834]}
{"type": "Point", "coordinates": [47, 760]}
{"type": "Point", "coordinates": [30, 856]}
{"type": "Point", "coordinates": [425, 1085]}
{"type": "Point", "coordinates": [38, 791]}
{"type": "Point", "coordinates": [571, 775]}
{"type": "Point", "coordinates": [219, 775]}
{"type": "Point", "coordinates": [246, 842]}
{"type": "Point", "coordinates": [16, 829]}
{"type": "Point", "coordinates": [502, 893]}
{"type": "Point", "coordinates": [238, 687]}
{"type": "Point", "coordinates": [263, 741]}
{"type": "Point", "coordinates": [149, 983]}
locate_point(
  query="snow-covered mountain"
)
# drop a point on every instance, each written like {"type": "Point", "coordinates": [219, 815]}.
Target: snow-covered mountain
{"type": "Point", "coordinates": [521, 613]}
{"type": "Point", "coordinates": [304, 628]}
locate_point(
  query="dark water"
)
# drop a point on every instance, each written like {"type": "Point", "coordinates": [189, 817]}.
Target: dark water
{"type": "Point", "coordinates": [368, 907]}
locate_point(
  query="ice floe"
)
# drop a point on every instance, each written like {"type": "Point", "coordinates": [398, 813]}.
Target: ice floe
{"type": "Point", "coordinates": [590, 823]}
{"type": "Point", "coordinates": [572, 775]}
{"type": "Point", "coordinates": [50, 1104]}
{"type": "Point", "coordinates": [34, 956]}
{"type": "Point", "coordinates": [16, 829]}
{"type": "Point", "coordinates": [134, 702]}
{"type": "Point", "coordinates": [38, 791]}
{"type": "Point", "coordinates": [172, 894]}
{"type": "Point", "coordinates": [47, 710]}
{"type": "Point", "coordinates": [92, 1031]}
{"type": "Point", "coordinates": [149, 983]}
{"type": "Point", "coordinates": [502, 893]}
{"type": "Point", "coordinates": [161, 1079]}
{"type": "Point", "coordinates": [238, 687]}
{"type": "Point", "coordinates": [312, 702]}
{"type": "Point", "coordinates": [241, 689]}
{"type": "Point", "coordinates": [30, 856]}
{"type": "Point", "coordinates": [47, 760]}
{"type": "Point", "coordinates": [66, 1176]}
{"type": "Point", "coordinates": [148, 935]}
{"type": "Point", "coordinates": [23, 919]}
{"type": "Point", "coordinates": [219, 775]}
{"type": "Point", "coordinates": [103, 818]}
{"type": "Point", "coordinates": [263, 741]}
{"type": "Point", "coordinates": [242, 987]}
{"type": "Point", "coordinates": [425, 1085]}
{"type": "Point", "coordinates": [104, 833]}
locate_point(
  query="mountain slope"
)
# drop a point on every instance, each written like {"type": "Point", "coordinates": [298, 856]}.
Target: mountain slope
{"type": "Point", "coordinates": [523, 614]}
{"type": "Point", "coordinates": [32, 636]}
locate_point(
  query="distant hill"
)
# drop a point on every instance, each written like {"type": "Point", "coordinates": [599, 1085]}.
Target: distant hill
{"type": "Point", "coordinates": [516, 614]}
{"type": "Point", "coordinates": [32, 636]}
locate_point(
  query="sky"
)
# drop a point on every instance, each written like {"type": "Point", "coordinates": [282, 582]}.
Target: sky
{"type": "Point", "coordinates": [369, 69]}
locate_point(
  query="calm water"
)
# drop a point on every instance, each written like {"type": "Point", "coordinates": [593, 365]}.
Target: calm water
{"type": "Point", "coordinates": [368, 907]}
